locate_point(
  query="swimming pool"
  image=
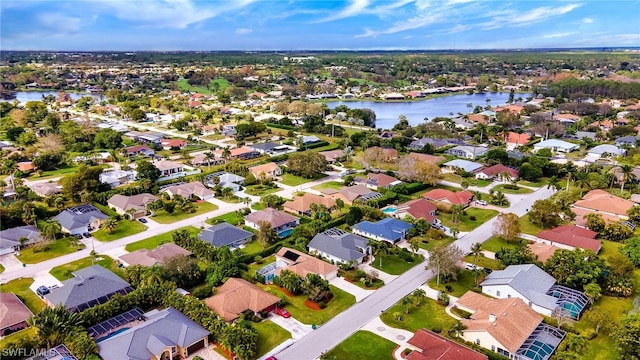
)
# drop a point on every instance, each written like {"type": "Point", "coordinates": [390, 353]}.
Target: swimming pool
{"type": "Point", "coordinates": [113, 334]}
{"type": "Point", "coordinates": [389, 210]}
{"type": "Point", "coordinates": [285, 233]}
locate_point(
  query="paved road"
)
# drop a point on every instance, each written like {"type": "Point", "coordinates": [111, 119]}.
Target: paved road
{"type": "Point", "coordinates": [342, 326]}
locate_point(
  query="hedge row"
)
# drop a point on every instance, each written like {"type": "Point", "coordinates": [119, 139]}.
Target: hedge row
{"type": "Point", "coordinates": [283, 127]}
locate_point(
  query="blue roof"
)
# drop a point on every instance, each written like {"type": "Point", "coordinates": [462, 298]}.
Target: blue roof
{"type": "Point", "coordinates": [389, 228]}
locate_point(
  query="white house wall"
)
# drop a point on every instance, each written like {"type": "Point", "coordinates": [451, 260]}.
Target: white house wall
{"type": "Point", "coordinates": [507, 291]}
{"type": "Point", "coordinates": [486, 340]}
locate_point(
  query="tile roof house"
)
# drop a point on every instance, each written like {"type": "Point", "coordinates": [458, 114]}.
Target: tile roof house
{"type": "Point", "coordinates": [139, 150]}
{"type": "Point", "coordinates": [190, 190]}
{"type": "Point", "coordinates": [354, 193]}
{"type": "Point", "coordinates": [507, 326]}
{"type": "Point", "coordinates": [389, 229]}
{"type": "Point", "coordinates": [25, 166]}
{"type": "Point", "coordinates": [280, 222]}
{"type": "Point", "coordinates": [376, 180]}
{"type": "Point", "coordinates": [136, 205]}
{"type": "Point", "coordinates": [158, 255]}
{"type": "Point", "coordinates": [164, 334]}
{"type": "Point", "coordinates": [168, 144]}
{"type": "Point", "coordinates": [80, 219]}
{"type": "Point", "coordinates": [431, 159]}
{"type": "Point", "coordinates": [536, 288]}
{"type": "Point", "coordinates": [498, 171]}
{"type": "Point", "coordinates": [242, 153]}
{"type": "Point", "coordinates": [542, 251]}
{"type": "Point", "coordinates": [464, 165]}
{"type": "Point", "coordinates": [333, 155]}
{"type": "Point", "coordinates": [427, 345]}
{"type": "Point", "coordinates": [418, 209]}
{"type": "Point", "coordinates": [202, 160]}
{"type": "Point", "coordinates": [301, 205]}
{"type": "Point", "coordinates": [169, 168]}
{"type": "Point", "coordinates": [270, 170]}
{"type": "Point", "coordinates": [555, 145]}
{"type": "Point", "coordinates": [340, 246]}
{"type": "Point", "coordinates": [601, 202]}
{"type": "Point", "coordinates": [467, 151]}
{"type": "Point", "coordinates": [236, 296]}
{"type": "Point", "coordinates": [225, 234]}
{"type": "Point", "coordinates": [46, 189]}
{"type": "Point", "coordinates": [13, 314]}
{"type": "Point", "coordinates": [449, 197]}
{"type": "Point", "coordinates": [10, 238]}
{"type": "Point", "coordinates": [570, 237]}
{"type": "Point", "coordinates": [88, 287]}
{"type": "Point", "coordinates": [225, 180]}
{"type": "Point", "coordinates": [302, 264]}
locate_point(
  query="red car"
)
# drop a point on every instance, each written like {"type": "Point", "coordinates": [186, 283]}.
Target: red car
{"type": "Point", "coordinates": [282, 312]}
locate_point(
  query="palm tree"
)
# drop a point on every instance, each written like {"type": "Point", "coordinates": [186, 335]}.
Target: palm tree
{"type": "Point", "coordinates": [456, 211]}
{"type": "Point", "coordinates": [414, 244]}
{"type": "Point", "coordinates": [55, 325]}
{"type": "Point", "coordinates": [418, 296]}
{"type": "Point", "coordinates": [50, 229]}
{"type": "Point", "coordinates": [226, 154]}
{"type": "Point", "coordinates": [85, 197]}
{"type": "Point", "coordinates": [627, 175]}
{"type": "Point", "coordinates": [406, 304]}
{"type": "Point", "coordinates": [553, 183]}
{"type": "Point", "coordinates": [581, 180]}
{"type": "Point", "coordinates": [227, 192]}
{"type": "Point", "coordinates": [379, 250]}
{"type": "Point", "coordinates": [476, 250]}
{"type": "Point", "coordinates": [246, 201]}
{"type": "Point", "coordinates": [110, 225]}
{"type": "Point", "coordinates": [58, 202]}
{"type": "Point", "coordinates": [209, 156]}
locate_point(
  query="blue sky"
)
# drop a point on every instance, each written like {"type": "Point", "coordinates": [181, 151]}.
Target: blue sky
{"type": "Point", "coordinates": [309, 24]}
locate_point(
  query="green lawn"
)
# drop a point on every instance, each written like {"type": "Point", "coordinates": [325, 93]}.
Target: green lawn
{"type": "Point", "coordinates": [435, 242]}
{"type": "Point", "coordinates": [466, 224]}
{"type": "Point", "coordinates": [125, 228]}
{"type": "Point", "coordinates": [202, 207]}
{"type": "Point", "coordinates": [495, 243]}
{"type": "Point", "coordinates": [295, 305]}
{"type": "Point", "coordinates": [259, 190]}
{"type": "Point", "coordinates": [428, 316]}
{"type": "Point", "coordinates": [329, 185]}
{"type": "Point", "coordinates": [466, 280]}
{"type": "Point", "coordinates": [527, 227]}
{"type": "Point", "coordinates": [458, 179]}
{"type": "Point", "coordinates": [184, 85]}
{"type": "Point", "coordinates": [521, 190]}
{"type": "Point", "coordinates": [363, 345]}
{"type": "Point", "coordinates": [394, 265]}
{"type": "Point", "coordinates": [20, 287]}
{"type": "Point", "coordinates": [270, 335]}
{"type": "Point", "coordinates": [64, 272]}
{"type": "Point", "coordinates": [536, 184]}
{"type": "Point", "coordinates": [253, 247]}
{"type": "Point", "coordinates": [253, 267]}
{"type": "Point", "coordinates": [18, 337]}
{"type": "Point", "coordinates": [295, 180]}
{"type": "Point", "coordinates": [1, 269]}
{"type": "Point", "coordinates": [56, 248]}
{"type": "Point", "coordinates": [231, 218]}
{"type": "Point", "coordinates": [155, 241]}
{"type": "Point", "coordinates": [483, 261]}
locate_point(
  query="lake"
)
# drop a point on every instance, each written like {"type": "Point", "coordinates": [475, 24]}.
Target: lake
{"type": "Point", "coordinates": [24, 96]}
{"type": "Point", "coordinates": [387, 113]}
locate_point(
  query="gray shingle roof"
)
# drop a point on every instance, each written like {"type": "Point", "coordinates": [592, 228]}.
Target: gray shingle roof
{"type": "Point", "coordinates": [11, 237]}
{"type": "Point", "coordinates": [224, 234]}
{"type": "Point", "coordinates": [73, 218]}
{"type": "Point", "coordinates": [529, 280]}
{"type": "Point", "coordinates": [162, 329]}
{"type": "Point", "coordinates": [342, 245]}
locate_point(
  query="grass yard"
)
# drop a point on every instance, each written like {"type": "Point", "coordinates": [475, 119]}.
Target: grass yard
{"type": "Point", "coordinates": [155, 241]}
{"type": "Point", "coordinates": [184, 85]}
{"type": "Point", "coordinates": [270, 335]}
{"type": "Point", "coordinates": [428, 316]}
{"type": "Point", "coordinates": [435, 242]}
{"type": "Point", "coordinates": [125, 228]}
{"type": "Point", "coordinates": [466, 224]}
{"type": "Point", "coordinates": [201, 207]}
{"type": "Point", "coordinates": [394, 265]}
{"type": "Point", "coordinates": [329, 185]}
{"type": "Point", "coordinates": [231, 218]}
{"type": "Point", "coordinates": [521, 190]}
{"type": "Point", "coordinates": [536, 184]}
{"type": "Point", "coordinates": [458, 179]}
{"type": "Point", "coordinates": [295, 180]}
{"type": "Point", "coordinates": [18, 338]}
{"type": "Point", "coordinates": [253, 247]}
{"type": "Point", "coordinates": [466, 280]}
{"type": "Point", "coordinates": [484, 262]}
{"type": "Point", "coordinates": [57, 248]}
{"type": "Point", "coordinates": [295, 305]}
{"type": "Point", "coordinates": [253, 267]}
{"type": "Point", "coordinates": [527, 227]}
{"type": "Point", "coordinates": [495, 243]}
{"type": "Point", "coordinates": [259, 190]}
{"type": "Point", "coordinates": [64, 272]}
{"type": "Point", "coordinates": [363, 345]}
{"type": "Point", "coordinates": [20, 287]}
{"type": "Point", "coordinates": [1, 269]}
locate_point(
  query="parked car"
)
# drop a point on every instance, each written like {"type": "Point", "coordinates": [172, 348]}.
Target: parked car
{"type": "Point", "coordinates": [143, 220]}
{"type": "Point", "coordinates": [79, 236]}
{"type": "Point", "coordinates": [42, 290]}
{"type": "Point", "coordinates": [481, 202]}
{"type": "Point", "coordinates": [469, 266]}
{"type": "Point", "coordinates": [282, 312]}
{"type": "Point", "coordinates": [86, 235]}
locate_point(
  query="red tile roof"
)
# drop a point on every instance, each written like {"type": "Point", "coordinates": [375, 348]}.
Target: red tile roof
{"type": "Point", "coordinates": [433, 346]}
{"type": "Point", "coordinates": [520, 139]}
{"type": "Point", "coordinates": [460, 197]}
{"type": "Point", "coordinates": [420, 208]}
{"type": "Point", "coordinates": [498, 169]}
{"type": "Point", "coordinates": [572, 235]}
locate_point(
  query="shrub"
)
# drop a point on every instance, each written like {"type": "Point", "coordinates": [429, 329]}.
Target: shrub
{"type": "Point", "coordinates": [590, 334]}
{"type": "Point", "coordinates": [406, 351]}
{"type": "Point", "coordinates": [406, 256]}
{"type": "Point", "coordinates": [276, 281]}
{"type": "Point", "coordinates": [449, 288]}
{"type": "Point", "coordinates": [322, 305]}
{"type": "Point", "coordinates": [472, 218]}
{"type": "Point", "coordinates": [511, 186]}
{"type": "Point", "coordinates": [257, 259]}
{"type": "Point", "coordinates": [436, 329]}
{"type": "Point", "coordinates": [202, 292]}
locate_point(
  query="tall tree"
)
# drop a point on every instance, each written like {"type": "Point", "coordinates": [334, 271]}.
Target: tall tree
{"type": "Point", "coordinates": [507, 226]}
{"type": "Point", "coordinates": [266, 235]}
{"type": "Point", "coordinates": [444, 261]}
{"type": "Point", "coordinates": [546, 213]}
{"type": "Point", "coordinates": [55, 325]}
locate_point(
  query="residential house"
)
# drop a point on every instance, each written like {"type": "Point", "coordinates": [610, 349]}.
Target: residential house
{"type": "Point", "coordinates": [378, 180]}
{"type": "Point", "coordinates": [627, 141]}
{"type": "Point", "coordinates": [241, 153]}
{"type": "Point", "coordinates": [570, 237]}
{"type": "Point", "coordinates": [46, 189]}
{"type": "Point", "coordinates": [418, 209]}
{"type": "Point", "coordinates": [80, 219]}
{"type": "Point", "coordinates": [427, 158]}
{"type": "Point", "coordinates": [580, 135]}
{"type": "Point", "coordinates": [498, 171]}
{"type": "Point", "coordinates": [542, 251]}
{"type": "Point", "coordinates": [386, 154]}
{"type": "Point", "coordinates": [301, 205]}
{"type": "Point", "coordinates": [115, 178]}
{"type": "Point", "coordinates": [190, 190]}
{"type": "Point", "coordinates": [427, 345]}
{"type": "Point", "coordinates": [25, 166]}
{"type": "Point", "coordinates": [566, 119]}
{"type": "Point", "coordinates": [270, 170]}
{"type": "Point", "coordinates": [467, 151]}
{"type": "Point", "coordinates": [225, 180]}
{"type": "Point", "coordinates": [229, 129]}
{"type": "Point", "coordinates": [159, 255]}
{"type": "Point", "coordinates": [556, 145]}
{"type": "Point", "coordinates": [136, 205]}
{"type": "Point", "coordinates": [389, 229]}
{"type": "Point", "coordinates": [146, 137]}
{"type": "Point", "coordinates": [480, 118]}
{"type": "Point", "coordinates": [536, 288]}
{"type": "Point", "coordinates": [169, 168]}
{"type": "Point", "coordinates": [339, 246]}
{"type": "Point", "coordinates": [225, 234]}
{"type": "Point", "coordinates": [13, 314]}
{"type": "Point", "coordinates": [604, 150]}
{"type": "Point", "coordinates": [236, 296]}
{"type": "Point", "coordinates": [420, 144]}
{"type": "Point", "coordinates": [515, 139]}
{"type": "Point", "coordinates": [12, 239]}
{"type": "Point", "coordinates": [299, 263]}
{"type": "Point", "coordinates": [170, 144]}
{"type": "Point", "coordinates": [449, 197]}
{"type": "Point", "coordinates": [310, 139]}
{"type": "Point", "coordinates": [333, 156]}
{"type": "Point", "coordinates": [164, 334]}
{"type": "Point", "coordinates": [464, 165]}
{"type": "Point", "coordinates": [88, 287]}
{"type": "Point", "coordinates": [271, 148]}
{"type": "Point", "coordinates": [281, 222]}
{"type": "Point", "coordinates": [203, 160]}
{"type": "Point", "coordinates": [356, 193]}
{"type": "Point", "coordinates": [392, 96]}
{"type": "Point", "coordinates": [508, 327]}
{"type": "Point", "coordinates": [136, 150]}
{"type": "Point", "coordinates": [386, 134]}
{"type": "Point", "coordinates": [59, 352]}
{"type": "Point", "coordinates": [611, 207]}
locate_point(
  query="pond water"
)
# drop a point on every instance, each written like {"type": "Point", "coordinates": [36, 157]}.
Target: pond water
{"type": "Point", "coordinates": [387, 113]}
{"type": "Point", "coordinates": [24, 96]}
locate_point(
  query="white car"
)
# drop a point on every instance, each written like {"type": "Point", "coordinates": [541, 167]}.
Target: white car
{"type": "Point", "coordinates": [481, 202]}
{"type": "Point", "coordinates": [470, 266]}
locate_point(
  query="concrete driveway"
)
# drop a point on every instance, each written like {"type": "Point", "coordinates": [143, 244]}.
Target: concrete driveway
{"type": "Point", "coordinates": [10, 262]}
{"type": "Point", "coordinates": [297, 329]}
{"type": "Point", "coordinates": [46, 279]}
{"type": "Point", "coordinates": [352, 289]}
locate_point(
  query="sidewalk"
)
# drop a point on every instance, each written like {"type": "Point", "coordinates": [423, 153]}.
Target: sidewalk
{"type": "Point", "coordinates": [352, 289]}
{"type": "Point", "coordinates": [397, 336]}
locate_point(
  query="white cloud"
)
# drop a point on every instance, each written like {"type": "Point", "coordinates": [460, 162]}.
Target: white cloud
{"type": "Point", "coordinates": [558, 35]}
{"type": "Point", "coordinates": [458, 28]}
{"type": "Point", "coordinates": [354, 8]}
{"type": "Point", "coordinates": [243, 31]}
{"type": "Point", "coordinates": [587, 20]}
{"type": "Point", "coordinates": [526, 17]}
{"type": "Point", "coordinates": [60, 23]}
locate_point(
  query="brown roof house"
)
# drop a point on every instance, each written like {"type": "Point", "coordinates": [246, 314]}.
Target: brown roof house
{"type": "Point", "coordinates": [432, 159]}
{"type": "Point", "coordinates": [270, 170]}
{"type": "Point", "coordinates": [301, 205]}
{"type": "Point", "coordinates": [508, 326]}
{"type": "Point", "coordinates": [299, 263]}
{"type": "Point", "coordinates": [158, 255]}
{"type": "Point", "coordinates": [417, 209]}
{"type": "Point", "coordinates": [281, 222]}
{"type": "Point", "coordinates": [13, 314]}
{"type": "Point", "coordinates": [449, 197]}
{"type": "Point", "coordinates": [376, 180]}
{"type": "Point", "coordinates": [169, 168]}
{"type": "Point", "coordinates": [333, 155]}
{"type": "Point", "coordinates": [135, 205]}
{"type": "Point", "coordinates": [570, 237]}
{"type": "Point", "coordinates": [351, 194]}
{"type": "Point", "coordinates": [190, 190]}
{"type": "Point", "coordinates": [611, 207]}
{"type": "Point", "coordinates": [427, 345]}
{"type": "Point", "coordinates": [498, 171]}
{"type": "Point", "coordinates": [237, 296]}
